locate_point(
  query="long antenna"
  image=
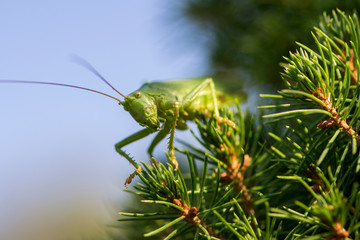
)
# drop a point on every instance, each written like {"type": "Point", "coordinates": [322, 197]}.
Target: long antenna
{"type": "Point", "coordinates": [61, 84]}
{"type": "Point", "coordinates": [88, 66]}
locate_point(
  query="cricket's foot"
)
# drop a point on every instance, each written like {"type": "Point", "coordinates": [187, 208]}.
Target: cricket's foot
{"type": "Point", "coordinates": [132, 176]}
{"type": "Point", "coordinates": [175, 163]}
{"type": "Point", "coordinates": [225, 120]}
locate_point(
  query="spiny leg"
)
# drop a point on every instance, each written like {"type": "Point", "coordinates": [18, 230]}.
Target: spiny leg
{"type": "Point", "coordinates": [169, 126]}
{"type": "Point", "coordinates": [132, 138]}
{"type": "Point", "coordinates": [160, 136]}
{"type": "Point", "coordinates": [190, 97]}
{"type": "Point", "coordinates": [172, 136]}
{"type": "Point", "coordinates": [216, 113]}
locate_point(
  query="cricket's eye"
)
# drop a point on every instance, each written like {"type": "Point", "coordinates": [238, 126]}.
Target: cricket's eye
{"type": "Point", "coordinates": [137, 94]}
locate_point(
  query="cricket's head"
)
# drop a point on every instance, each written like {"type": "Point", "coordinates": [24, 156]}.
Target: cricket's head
{"type": "Point", "coordinates": [143, 109]}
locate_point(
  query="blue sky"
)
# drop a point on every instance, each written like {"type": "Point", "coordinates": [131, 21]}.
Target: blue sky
{"type": "Point", "coordinates": [57, 144]}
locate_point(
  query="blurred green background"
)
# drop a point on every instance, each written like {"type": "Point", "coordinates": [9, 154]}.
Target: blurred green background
{"type": "Point", "coordinates": [246, 40]}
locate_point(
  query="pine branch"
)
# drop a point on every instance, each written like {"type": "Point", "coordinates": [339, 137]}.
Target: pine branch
{"type": "Point", "coordinates": [300, 180]}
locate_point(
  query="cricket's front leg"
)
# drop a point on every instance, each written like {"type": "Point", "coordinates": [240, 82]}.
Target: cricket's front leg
{"type": "Point", "coordinates": [132, 138]}
{"type": "Point", "coordinates": [160, 136]}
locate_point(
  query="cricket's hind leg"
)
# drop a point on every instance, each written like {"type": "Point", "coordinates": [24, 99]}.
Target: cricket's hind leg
{"type": "Point", "coordinates": [190, 97]}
